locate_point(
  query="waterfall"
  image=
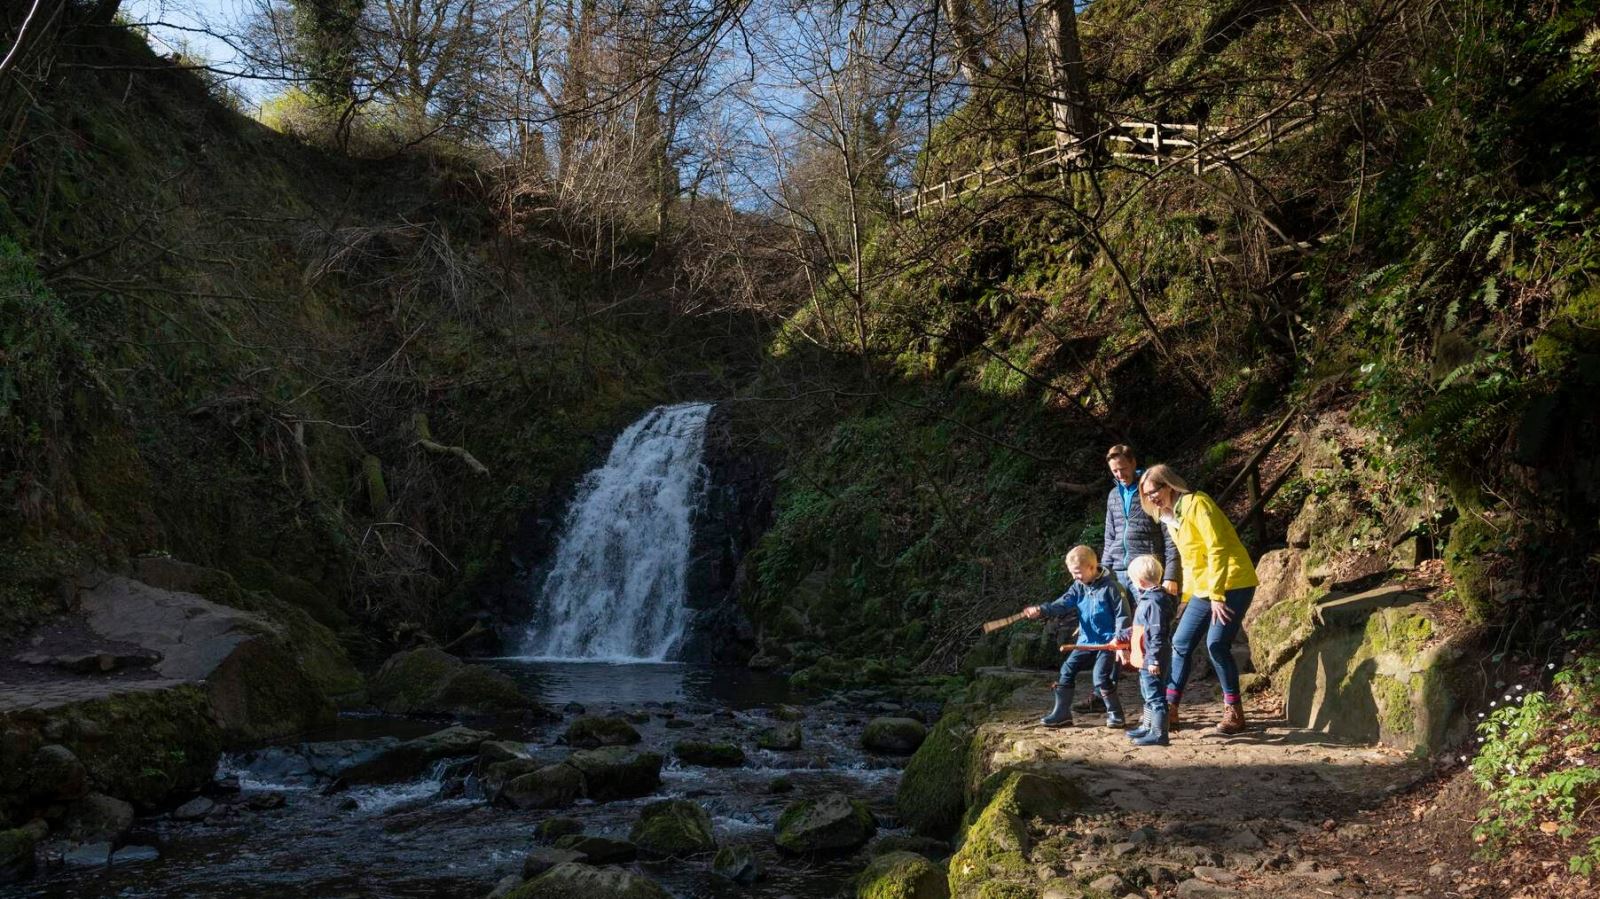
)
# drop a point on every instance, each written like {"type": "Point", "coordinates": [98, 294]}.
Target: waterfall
{"type": "Point", "coordinates": [616, 589]}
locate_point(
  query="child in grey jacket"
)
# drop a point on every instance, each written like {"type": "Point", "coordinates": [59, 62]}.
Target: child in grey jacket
{"type": "Point", "coordinates": [1150, 648]}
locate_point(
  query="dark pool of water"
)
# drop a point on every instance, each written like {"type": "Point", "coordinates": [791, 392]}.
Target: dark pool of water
{"type": "Point", "coordinates": [409, 840]}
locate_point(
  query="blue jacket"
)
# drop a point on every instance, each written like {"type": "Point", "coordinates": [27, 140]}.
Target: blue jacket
{"type": "Point", "coordinates": [1154, 610]}
{"type": "Point", "coordinates": [1100, 607]}
{"type": "Point", "coordinates": [1130, 533]}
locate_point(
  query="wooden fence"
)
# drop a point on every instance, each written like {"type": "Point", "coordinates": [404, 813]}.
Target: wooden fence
{"type": "Point", "coordinates": [1205, 147]}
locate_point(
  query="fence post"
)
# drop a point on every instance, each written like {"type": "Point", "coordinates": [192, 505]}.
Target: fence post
{"type": "Point", "coordinates": [1258, 520]}
{"type": "Point", "coordinates": [1155, 139]}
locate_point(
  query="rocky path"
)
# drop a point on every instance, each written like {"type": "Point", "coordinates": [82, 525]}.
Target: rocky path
{"type": "Point", "coordinates": [1206, 816]}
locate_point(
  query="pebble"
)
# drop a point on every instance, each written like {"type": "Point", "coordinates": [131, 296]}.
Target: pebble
{"type": "Point", "coordinates": [1329, 876]}
{"type": "Point", "coordinates": [1216, 875]}
{"type": "Point", "coordinates": [87, 855]}
{"type": "Point", "coordinates": [1109, 883]}
{"type": "Point", "coordinates": [129, 855]}
{"type": "Point", "coordinates": [264, 801]}
{"type": "Point", "coordinates": [194, 809]}
{"type": "Point", "coordinates": [1122, 850]}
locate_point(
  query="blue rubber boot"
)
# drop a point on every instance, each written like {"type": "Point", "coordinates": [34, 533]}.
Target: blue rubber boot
{"type": "Point", "coordinates": [1061, 715]}
{"type": "Point", "coordinates": [1158, 731]}
{"type": "Point", "coordinates": [1143, 728]}
{"type": "Point", "coordinates": [1113, 708]}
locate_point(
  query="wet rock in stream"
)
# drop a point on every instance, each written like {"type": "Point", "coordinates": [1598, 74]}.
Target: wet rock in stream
{"type": "Point", "coordinates": [553, 786]}
{"type": "Point", "coordinates": [783, 737]}
{"type": "Point", "coordinates": [616, 773]}
{"type": "Point", "coordinates": [593, 733]}
{"type": "Point", "coordinates": [831, 824]}
{"type": "Point", "coordinates": [673, 828]}
{"type": "Point", "coordinates": [709, 755]}
{"type": "Point", "coordinates": [738, 864]}
{"type": "Point", "coordinates": [575, 881]}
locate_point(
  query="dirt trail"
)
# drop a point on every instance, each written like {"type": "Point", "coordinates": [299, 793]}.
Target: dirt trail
{"type": "Point", "coordinates": [1248, 815]}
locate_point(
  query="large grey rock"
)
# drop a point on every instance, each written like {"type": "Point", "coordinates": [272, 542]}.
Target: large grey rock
{"type": "Point", "coordinates": [896, 736]}
{"type": "Point", "coordinates": [831, 824]}
{"type": "Point", "coordinates": [132, 855]}
{"type": "Point", "coordinates": [616, 773]}
{"type": "Point", "coordinates": [673, 828]}
{"type": "Point", "coordinates": [553, 786]}
{"type": "Point", "coordinates": [254, 679]}
{"type": "Point", "coordinates": [575, 881]}
{"type": "Point", "coordinates": [403, 761]}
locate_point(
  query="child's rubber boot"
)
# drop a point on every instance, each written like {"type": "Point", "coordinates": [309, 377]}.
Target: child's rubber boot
{"type": "Point", "coordinates": [1143, 728]}
{"type": "Point", "coordinates": [1157, 736]}
{"type": "Point", "coordinates": [1113, 708]}
{"type": "Point", "coordinates": [1061, 715]}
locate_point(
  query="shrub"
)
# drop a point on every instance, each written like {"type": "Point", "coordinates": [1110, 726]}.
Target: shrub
{"type": "Point", "coordinates": [1540, 769]}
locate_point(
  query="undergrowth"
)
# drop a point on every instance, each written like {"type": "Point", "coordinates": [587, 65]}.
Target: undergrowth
{"type": "Point", "coordinates": [1539, 766]}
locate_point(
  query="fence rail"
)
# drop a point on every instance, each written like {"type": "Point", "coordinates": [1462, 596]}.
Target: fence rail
{"type": "Point", "coordinates": [1207, 147]}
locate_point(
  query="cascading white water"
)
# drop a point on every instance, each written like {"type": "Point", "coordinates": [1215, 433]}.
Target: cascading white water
{"type": "Point", "coordinates": [616, 590]}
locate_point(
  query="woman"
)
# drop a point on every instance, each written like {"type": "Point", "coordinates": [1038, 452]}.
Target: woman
{"type": "Point", "coordinates": [1219, 581]}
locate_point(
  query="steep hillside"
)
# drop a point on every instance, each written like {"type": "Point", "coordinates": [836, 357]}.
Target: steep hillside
{"type": "Point", "coordinates": [342, 381]}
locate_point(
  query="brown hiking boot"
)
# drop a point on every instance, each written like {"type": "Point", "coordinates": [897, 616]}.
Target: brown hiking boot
{"type": "Point", "coordinates": [1172, 717]}
{"type": "Point", "coordinates": [1232, 719]}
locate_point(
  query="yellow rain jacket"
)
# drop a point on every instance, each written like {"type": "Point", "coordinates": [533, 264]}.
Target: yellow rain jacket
{"type": "Point", "coordinates": [1214, 560]}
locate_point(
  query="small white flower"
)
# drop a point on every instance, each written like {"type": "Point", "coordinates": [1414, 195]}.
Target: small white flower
{"type": "Point", "coordinates": [1508, 697]}
{"type": "Point", "coordinates": [1463, 758]}
{"type": "Point", "coordinates": [1550, 666]}
{"type": "Point", "coordinates": [1492, 704]}
{"type": "Point", "coordinates": [1480, 714]}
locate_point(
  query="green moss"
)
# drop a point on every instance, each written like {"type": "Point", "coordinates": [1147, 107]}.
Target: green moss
{"type": "Point", "coordinates": [932, 792]}
{"type": "Point", "coordinates": [1466, 558]}
{"type": "Point", "coordinates": [714, 755]}
{"type": "Point", "coordinates": [142, 747]}
{"type": "Point", "coordinates": [1279, 632]}
{"type": "Point", "coordinates": [902, 875]}
{"type": "Point", "coordinates": [995, 842]}
{"type": "Point", "coordinates": [675, 828]}
{"type": "Point", "coordinates": [1399, 633]}
{"type": "Point", "coordinates": [1396, 713]}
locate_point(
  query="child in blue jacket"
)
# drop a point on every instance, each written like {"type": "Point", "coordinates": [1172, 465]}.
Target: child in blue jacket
{"type": "Point", "coordinates": [1100, 606]}
{"type": "Point", "coordinates": [1150, 648]}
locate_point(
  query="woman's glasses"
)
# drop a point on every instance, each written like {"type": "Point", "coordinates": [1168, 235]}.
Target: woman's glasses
{"type": "Point", "coordinates": [1155, 491]}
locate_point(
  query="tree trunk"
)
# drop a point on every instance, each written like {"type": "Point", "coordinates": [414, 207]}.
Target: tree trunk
{"type": "Point", "coordinates": [965, 34]}
{"type": "Point", "coordinates": [1069, 90]}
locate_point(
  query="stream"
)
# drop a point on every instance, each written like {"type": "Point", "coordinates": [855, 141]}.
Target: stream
{"type": "Point", "coordinates": [439, 837]}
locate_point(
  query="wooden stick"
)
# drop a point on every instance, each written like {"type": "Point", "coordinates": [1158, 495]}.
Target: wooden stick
{"type": "Point", "coordinates": [990, 627]}
{"type": "Point", "coordinates": [1097, 647]}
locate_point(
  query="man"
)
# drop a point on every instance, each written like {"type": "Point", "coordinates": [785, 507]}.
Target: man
{"type": "Point", "coordinates": [1130, 533]}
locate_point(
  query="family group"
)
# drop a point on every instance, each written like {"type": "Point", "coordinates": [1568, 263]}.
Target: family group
{"type": "Point", "coordinates": [1164, 544]}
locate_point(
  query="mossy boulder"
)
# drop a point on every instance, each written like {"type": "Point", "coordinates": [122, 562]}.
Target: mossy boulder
{"type": "Point", "coordinates": [894, 736]}
{"type": "Point", "coordinates": [902, 875]}
{"type": "Point", "coordinates": [673, 828]}
{"type": "Point", "coordinates": [595, 732]}
{"type": "Point", "coordinates": [933, 790]}
{"type": "Point", "coordinates": [98, 818]}
{"type": "Point", "coordinates": [570, 880]}
{"type": "Point", "coordinates": [16, 850]}
{"type": "Point", "coordinates": [927, 847]}
{"type": "Point", "coordinates": [738, 864]}
{"type": "Point", "coordinates": [709, 755]}
{"type": "Point", "coordinates": [260, 692]}
{"type": "Point", "coordinates": [599, 850]}
{"type": "Point", "coordinates": [994, 844]}
{"type": "Point", "coordinates": [782, 737]}
{"type": "Point", "coordinates": [616, 773]}
{"type": "Point", "coordinates": [552, 786]}
{"type": "Point", "coordinates": [56, 774]}
{"type": "Point", "coordinates": [552, 829]}
{"type": "Point", "coordinates": [829, 825]}
{"type": "Point", "coordinates": [139, 746]}
{"type": "Point", "coordinates": [432, 681]}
